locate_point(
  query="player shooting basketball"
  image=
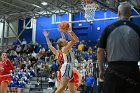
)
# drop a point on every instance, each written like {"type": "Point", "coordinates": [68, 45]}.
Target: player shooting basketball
{"type": "Point", "coordinates": [65, 47]}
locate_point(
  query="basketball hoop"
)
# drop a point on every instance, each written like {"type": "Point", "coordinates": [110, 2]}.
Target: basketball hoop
{"type": "Point", "coordinates": [90, 8]}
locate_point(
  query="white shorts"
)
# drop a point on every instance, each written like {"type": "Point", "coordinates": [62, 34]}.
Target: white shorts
{"type": "Point", "coordinates": [66, 70]}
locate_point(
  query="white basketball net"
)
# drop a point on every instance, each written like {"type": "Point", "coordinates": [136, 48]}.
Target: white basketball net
{"type": "Point", "coordinates": [89, 11]}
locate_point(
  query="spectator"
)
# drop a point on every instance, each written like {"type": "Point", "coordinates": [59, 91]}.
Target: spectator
{"type": "Point", "coordinates": [89, 81]}
{"type": "Point", "coordinates": [34, 55]}
{"type": "Point", "coordinates": [41, 48]}
{"type": "Point", "coordinates": [24, 42]}
{"type": "Point", "coordinates": [85, 48]}
{"type": "Point", "coordinates": [86, 55]}
{"type": "Point", "coordinates": [52, 81]}
{"type": "Point", "coordinates": [31, 72]}
{"type": "Point", "coordinates": [13, 84]}
{"type": "Point", "coordinates": [48, 55]}
{"type": "Point", "coordinates": [53, 67]}
{"type": "Point", "coordinates": [90, 66]}
{"type": "Point", "coordinates": [82, 72]}
{"type": "Point", "coordinates": [30, 48]}
{"type": "Point", "coordinates": [35, 47]}
{"type": "Point", "coordinates": [25, 48]}
{"type": "Point", "coordinates": [80, 47]}
{"type": "Point", "coordinates": [76, 63]}
{"type": "Point", "coordinates": [47, 70]}
{"type": "Point", "coordinates": [90, 50]}
{"type": "Point", "coordinates": [18, 49]}
{"type": "Point", "coordinates": [21, 85]}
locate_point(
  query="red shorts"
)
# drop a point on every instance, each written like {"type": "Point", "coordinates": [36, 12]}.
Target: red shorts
{"type": "Point", "coordinates": [74, 79]}
{"type": "Point", "coordinates": [58, 75]}
{"type": "Point", "coordinates": [6, 79]}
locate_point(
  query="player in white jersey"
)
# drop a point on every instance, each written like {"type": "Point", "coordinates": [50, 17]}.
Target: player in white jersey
{"type": "Point", "coordinates": [66, 69]}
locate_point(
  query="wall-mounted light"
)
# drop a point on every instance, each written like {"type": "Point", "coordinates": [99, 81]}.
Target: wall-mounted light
{"type": "Point", "coordinates": [98, 28]}
{"type": "Point", "coordinates": [80, 24]}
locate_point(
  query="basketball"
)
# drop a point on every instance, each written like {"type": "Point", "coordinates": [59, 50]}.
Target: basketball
{"type": "Point", "coordinates": [63, 26]}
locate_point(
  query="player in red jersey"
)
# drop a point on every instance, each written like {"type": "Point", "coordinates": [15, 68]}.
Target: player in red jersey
{"type": "Point", "coordinates": [5, 67]}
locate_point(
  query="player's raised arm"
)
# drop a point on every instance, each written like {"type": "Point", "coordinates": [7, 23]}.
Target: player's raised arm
{"type": "Point", "coordinates": [50, 44]}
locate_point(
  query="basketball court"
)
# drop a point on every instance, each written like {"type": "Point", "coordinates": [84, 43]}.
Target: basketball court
{"type": "Point", "coordinates": [26, 20]}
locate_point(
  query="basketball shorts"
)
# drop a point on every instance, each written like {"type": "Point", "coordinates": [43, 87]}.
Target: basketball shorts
{"type": "Point", "coordinates": [5, 79]}
{"type": "Point", "coordinates": [74, 78]}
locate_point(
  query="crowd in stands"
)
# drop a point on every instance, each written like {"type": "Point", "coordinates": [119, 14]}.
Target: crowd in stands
{"type": "Point", "coordinates": [36, 60]}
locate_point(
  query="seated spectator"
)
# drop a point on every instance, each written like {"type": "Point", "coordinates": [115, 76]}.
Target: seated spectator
{"type": "Point", "coordinates": [80, 47]}
{"type": "Point", "coordinates": [34, 54]}
{"type": "Point", "coordinates": [18, 49]}
{"type": "Point", "coordinates": [13, 54]}
{"type": "Point", "coordinates": [31, 72]}
{"type": "Point", "coordinates": [51, 81]}
{"type": "Point", "coordinates": [41, 48]}
{"type": "Point", "coordinates": [24, 42]}
{"type": "Point", "coordinates": [90, 50]}
{"type": "Point", "coordinates": [48, 55]}
{"type": "Point", "coordinates": [47, 70]}
{"type": "Point", "coordinates": [53, 67]}
{"type": "Point", "coordinates": [35, 47]}
{"type": "Point", "coordinates": [86, 56]}
{"type": "Point", "coordinates": [25, 48]}
{"type": "Point", "coordinates": [85, 48]}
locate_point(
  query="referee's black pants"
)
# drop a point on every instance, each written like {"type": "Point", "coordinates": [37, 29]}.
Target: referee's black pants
{"type": "Point", "coordinates": [122, 77]}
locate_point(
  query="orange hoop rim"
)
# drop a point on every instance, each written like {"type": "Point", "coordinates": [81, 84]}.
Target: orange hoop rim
{"type": "Point", "coordinates": [86, 1]}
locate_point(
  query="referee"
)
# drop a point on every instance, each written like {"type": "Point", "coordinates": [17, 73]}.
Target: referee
{"type": "Point", "coordinates": [121, 42]}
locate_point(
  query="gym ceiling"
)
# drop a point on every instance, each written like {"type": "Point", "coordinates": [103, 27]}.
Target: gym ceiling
{"type": "Point", "coordinates": [19, 9]}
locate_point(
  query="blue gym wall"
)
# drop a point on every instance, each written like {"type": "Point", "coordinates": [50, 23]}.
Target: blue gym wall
{"type": "Point", "coordinates": [27, 33]}
{"type": "Point", "coordinates": [88, 31]}
{"type": "Point", "coordinates": [46, 23]}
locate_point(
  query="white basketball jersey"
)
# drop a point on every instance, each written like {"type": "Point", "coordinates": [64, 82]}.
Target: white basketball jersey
{"type": "Point", "coordinates": [69, 58]}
